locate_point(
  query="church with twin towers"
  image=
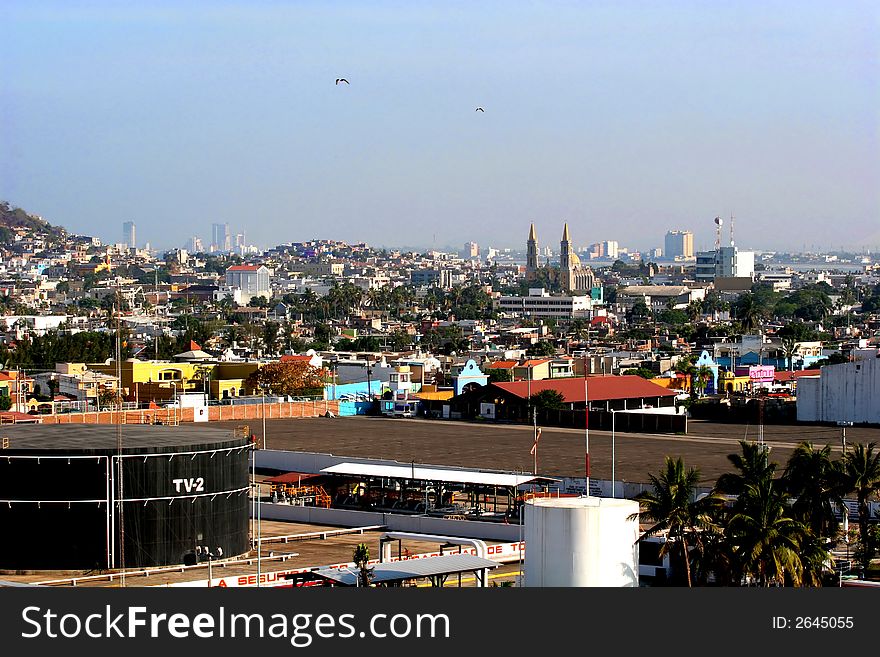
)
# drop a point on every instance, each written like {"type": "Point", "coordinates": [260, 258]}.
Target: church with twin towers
{"type": "Point", "coordinates": [571, 275]}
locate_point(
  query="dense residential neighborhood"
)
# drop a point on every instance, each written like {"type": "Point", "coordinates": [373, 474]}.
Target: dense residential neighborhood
{"type": "Point", "coordinates": [208, 322]}
{"type": "Point", "coordinates": [560, 339]}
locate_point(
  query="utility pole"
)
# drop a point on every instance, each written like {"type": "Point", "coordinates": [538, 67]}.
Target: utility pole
{"type": "Point", "coordinates": [586, 426]}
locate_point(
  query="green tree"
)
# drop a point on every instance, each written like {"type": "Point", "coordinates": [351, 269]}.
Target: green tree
{"type": "Point", "coordinates": [542, 348]}
{"type": "Point", "coordinates": [399, 340]}
{"type": "Point", "coordinates": [640, 310]}
{"type": "Point", "coordinates": [753, 467]}
{"type": "Point", "coordinates": [789, 348]}
{"type": "Point", "coordinates": [672, 507]}
{"type": "Point", "coordinates": [270, 336]}
{"type": "Point", "coordinates": [749, 311]}
{"type": "Point", "coordinates": [701, 378]}
{"type": "Point", "coordinates": [766, 540]}
{"type": "Point", "coordinates": [862, 476]}
{"type": "Point", "coordinates": [815, 481]}
{"type": "Point", "coordinates": [548, 399]}
{"type": "Point", "coordinates": [498, 375]}
{"type": "Point", "coordinates": [640, 371]}
{"type": "Point", "coordinates": [695, 310]}
{"type": "Point", "coordinates": [361, 559]}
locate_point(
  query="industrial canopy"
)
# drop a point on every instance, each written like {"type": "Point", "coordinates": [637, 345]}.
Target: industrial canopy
{"type": "Point", "coordinates": [404, 471]}
{"type": "Point", "coordinates": [407, 569]}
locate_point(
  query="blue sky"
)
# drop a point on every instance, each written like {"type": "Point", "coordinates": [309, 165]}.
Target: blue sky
{"type": "Point", "coordinates": [623, 118]}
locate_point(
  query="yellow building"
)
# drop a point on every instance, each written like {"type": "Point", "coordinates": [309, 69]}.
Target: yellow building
{"type": "Point", "coordinates": [153, 380]}
{"type": "Point", "coordinates": [729, 382]}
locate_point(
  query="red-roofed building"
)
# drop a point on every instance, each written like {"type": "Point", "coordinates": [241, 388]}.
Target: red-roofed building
{"type": "Point", "coordinates": [310, 357]}
{"type": "Point", "coordinates": [536, 369]}
{"type": "Point", "coordinates": [252, 280]}
{"type": "Point", "coordinates": [791, 378]}
{"type": "Point", "coordinates": [606, 393]}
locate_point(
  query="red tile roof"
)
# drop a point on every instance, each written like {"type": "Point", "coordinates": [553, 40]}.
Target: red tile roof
{"type": "Point", "coordinates": [599, 388]}
{"type": "Point", "coordinates": [501, 364]}
{"type": "Point", "coordinates": [791, 376]}
{"type": "Point", "coordinates": [243, 268]}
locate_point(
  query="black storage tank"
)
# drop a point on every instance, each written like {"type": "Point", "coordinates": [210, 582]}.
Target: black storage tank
{"type": "Point", "coordinates": [60, 503]}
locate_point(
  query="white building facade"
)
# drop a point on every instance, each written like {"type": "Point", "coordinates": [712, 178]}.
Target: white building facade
{"type": "Point", "coordinates": [848, 392]}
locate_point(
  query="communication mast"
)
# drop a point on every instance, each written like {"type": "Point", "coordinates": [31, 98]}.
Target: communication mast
{"type": "Point", "coordinates": [731, 230]}
{"type": "Point", "coordinates": [718, 223]}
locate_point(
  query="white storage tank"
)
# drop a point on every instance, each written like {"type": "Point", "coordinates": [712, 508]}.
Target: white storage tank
{"type": "Point", "coordinates": [581, 541]}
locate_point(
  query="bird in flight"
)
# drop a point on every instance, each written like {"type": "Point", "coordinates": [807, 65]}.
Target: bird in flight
{"type": "Point", "coordinates": [338, 80]}
{"type": "Point", "coordinates": [480, 109]}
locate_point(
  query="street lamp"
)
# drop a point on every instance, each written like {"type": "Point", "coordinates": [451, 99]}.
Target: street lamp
{"type": "Point", "coordinates": [843, 426]}
{"type": "Point", "coordinates": [357, 577]}
{"type": "Point", "coordinates": [613, 416]}
{"type": "Point", "coordinates": [206, 551]}
{"type": "Point", "coordinates": [263, 391]}
{"type": "Point", "coordinates": [174, 400]}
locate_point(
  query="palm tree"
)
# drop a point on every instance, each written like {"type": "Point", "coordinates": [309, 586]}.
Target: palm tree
{"type": "Point", "coordinates": [703, 374]}
{"type": "Point", "coordinates": [361, 557]}
{"type": "Point", "coordinates": [749, 311]}
{"type": "Point", "coordinates": [685, 365]}
{"type": "Point", "coordinates": [695, 310]}
{"type": "Point", "coordinates": [862, 472]}
{"type": "Point", "coordinates": [789, 348]}
{"type": "Point", "coordinates": [754, 468]}
{"type": "Point", "coordinates": [815, 481]}
{"type": "Point", "coordinates": [671, 507]}
{"type": "Point", "coordinates": [765, 539]}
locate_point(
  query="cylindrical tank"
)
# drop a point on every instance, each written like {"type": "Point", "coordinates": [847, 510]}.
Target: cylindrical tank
{"type": "Point", "coordinates": [60, 503]}
{"type": "Point", "coordinates": [581, 541]}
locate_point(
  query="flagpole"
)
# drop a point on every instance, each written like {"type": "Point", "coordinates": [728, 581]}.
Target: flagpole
{"type": "Point", "coordinates": [536, 445]}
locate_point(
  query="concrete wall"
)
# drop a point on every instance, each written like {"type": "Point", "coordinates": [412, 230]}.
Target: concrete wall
{"type": "Point", "coordinates": [809, 407]}
{"type": "Point", "coordinates": [848, 392]}
{"type": "Point", "coordinates": [215, 413]}
{"type": "Point", "coordinates": [394, 521]}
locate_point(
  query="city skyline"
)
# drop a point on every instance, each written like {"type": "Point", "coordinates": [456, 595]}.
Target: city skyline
{"type": "Point", "coordinates": [625, 121]}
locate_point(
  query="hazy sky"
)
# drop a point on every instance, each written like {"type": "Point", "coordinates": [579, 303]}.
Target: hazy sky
{"type": "Point", "coordinates": [623, 118]}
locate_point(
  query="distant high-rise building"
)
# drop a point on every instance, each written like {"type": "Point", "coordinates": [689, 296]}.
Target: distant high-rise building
{"type": "Point", "coordinates": [240, 241]}
{"type": "Point", "coordinates": [221, 239]}
{"type": "Point", "coordinates": [195, 245]}
{"type": "Point", "coordinates": [725, 262]}
{"type": "Point", "coordinates": [471, 250]}
{"type": "Point", "coordinates": [679, 244]}
{"type": "Point", "coordinates": [733, 263]}
{"type": "Point", "coordinates": [596, 250]}
{"type": "Point", "coordinates": [610, 247]}
{"type": "Point", "coordinates": [129, 235]}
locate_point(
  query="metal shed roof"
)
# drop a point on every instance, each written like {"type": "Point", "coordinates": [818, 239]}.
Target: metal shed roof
{"type": "Point", "coordinates": [398, 571]}
{"type": "Point", "coordinates": [404, 471]}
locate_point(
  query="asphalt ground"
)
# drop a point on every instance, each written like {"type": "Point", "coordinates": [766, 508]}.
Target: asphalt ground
{"type": "Point", "coordinates": [301, 552]}
{"type": "Point", "coordinates": [560, 451]}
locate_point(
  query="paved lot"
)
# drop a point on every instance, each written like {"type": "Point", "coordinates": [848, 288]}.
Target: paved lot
{"type": "Point", "coordinates": [487, 446]}
{"type": "Point", "coordinates": [560, 453]}
{"type": "Point", "coordinates": [277, 556]}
